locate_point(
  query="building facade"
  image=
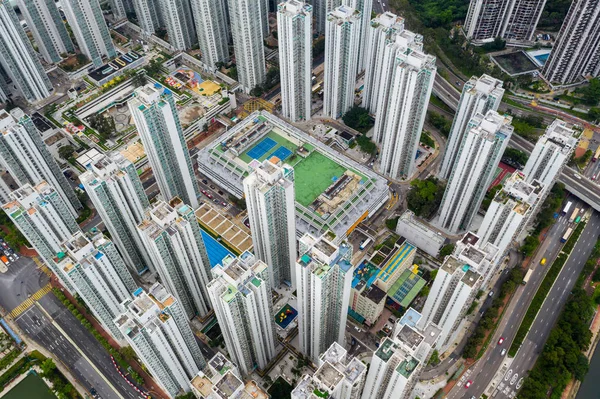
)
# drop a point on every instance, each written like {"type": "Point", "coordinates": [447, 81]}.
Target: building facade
{"type": "Point", "coordinates": [324, 281]}
{"type": "Point", "coordinates": [18, 59]}
{"type": "Point", "coordinates": [177, 18]}
{"type": "Point", "coordinates": [241, 297]}
{"type": "Point", "coordinates": [97, 272]}
{"type": "Point", "coordinates": [479, 95]}
{"type": "Point", "coordinates": [211, 26]}
{"type": "Point", "coordinates": [116, 191]}
{"type": "Point", "coordinates": [90, 30]}
{"type": "Point", "coordinates": [155, 116]}
{"type": "Point", "coordinates": [476, 163]}
{"type": "Point", "coordinates": [576, 54]}
{"type": "Point", "coordinates": [405, 107]}
{"type": "Point", "coordinates": [550, 155]}
{"type": "Point", "coordinates": [47, 28]}
{"type": "Point", "coordinates": [270, 199]}
{"type": "Point", "coordinates": [342, 40]}
{"type": "Point", "coordinates": [156, 327]}
{"type": "Point", "coordinates": [512, 20]}
{"type": "Point", "coordinates": [148, 15]}
{"type": "Point", "coordinates": [174, 242]}
{"type": "Point", "coordinates": [27, 158]}
{"type": "Point", "coordinates": [294, 29]}
{"type": "Point", "coordinates": [247, 29]}
{"type": "Point", "coordinates": [366, 8]}
{"type": "Point", "coordinates": [45, 221]}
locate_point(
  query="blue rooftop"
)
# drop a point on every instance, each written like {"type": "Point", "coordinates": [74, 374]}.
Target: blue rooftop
{"type": "Point", "coordinates": [216, 251]}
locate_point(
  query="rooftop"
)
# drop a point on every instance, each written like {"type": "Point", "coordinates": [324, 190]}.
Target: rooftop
{"type": "Point", "coordinates": [329, 376]}
{"type": "Point", "coordinates": [227, 386]}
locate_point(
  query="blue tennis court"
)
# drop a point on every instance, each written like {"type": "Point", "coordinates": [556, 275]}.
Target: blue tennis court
{"type": "Point", "coordinates": [216, 252]}
{"type": "Point", "coordinates": [281, 153]}
{"type": "Point", "coordinates": [262, 148]}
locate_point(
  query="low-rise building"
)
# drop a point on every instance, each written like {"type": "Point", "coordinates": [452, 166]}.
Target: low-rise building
{"type": "Point", "coordinates": [424, 237]}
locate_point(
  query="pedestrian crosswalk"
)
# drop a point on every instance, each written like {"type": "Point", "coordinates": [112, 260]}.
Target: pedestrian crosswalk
{"type": "Point", "coordinates": [26, 304]}
{"type": "Point", "coordinates": [42, 266]}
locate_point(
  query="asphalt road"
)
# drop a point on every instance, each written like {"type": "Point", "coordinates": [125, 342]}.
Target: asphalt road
{"type": "Point", "coordinates": [492, 362]}
{"type": "Point", "coordinates": [23, 278]}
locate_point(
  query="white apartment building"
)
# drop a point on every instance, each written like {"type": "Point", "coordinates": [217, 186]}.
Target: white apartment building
{"type": "Point", "coordinates": [118, 9]}
{"type": "Point", "coordinates": [44, 219]}
{"type": "Point", "coordinates": [211, 26]}
{"type": "Point", "coordinates": [404, 107]}
{"type": "Point", "coordinates": [323, 281]}
{"type": "Point", "coordinates": [174, 242]}
{"type": "Point", "coordinates": [18, 59]}
{"type": "Point", "coordinates": [97, 272]}
{"type": "Point", "coordinates": [177, 18]}
{"type": "Point", "coordinates": [576, 53]}
{"type": "Point", "coordinates": [339, 376]}
{"type": "Point", "coordinates": [155, 116]}
{"type": "Point", "coordinates": [321, 9]}
{"type": "Point", "coordinates": [241, 297]}
{"type": "Point", "coordinates": [148, 15]}
{"type": "Point", "coordinates": [270, 199]}
{"type": "Point", "coordinates": [294, 35]}
{"type": "Point", "coordinates": [27, 158]}
{"type": "Point", "coordinates": [452, 292]}
{"type": "Point", "coordinates": [400, 358]}
{"type": "Point", "coordinates": [479, 95]}
{"type": "Point", "coordinates": [247, 28]}
{"type": "Point", "coordinates": [117, 193]}
{"type": "Point", "coordinates": [550, 154]}
{"type": "Point", "coordinates": [513, 20]}
{"type": "Point", "coordinates": [156, 327]}
{"type": "Point", "coordinates": [510, 212]}
{"type": "Point", "coordinates": [380, 53]}
{"type": "Point", "coordinates": [342, 41]}
{"type": "Point", "coordinates": [366, 8]}
{"type": "Point", "coordinates": [476, 162]}
{"type": "Point", "coordinates": [90, 30]}
{"type": "Point", "coordinates": [47, 28]}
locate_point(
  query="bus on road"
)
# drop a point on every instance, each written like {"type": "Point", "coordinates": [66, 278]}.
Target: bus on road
{"type": "Point", "coordinates": [527, 275]}
{"type": "Point", "coordinates": [596, 155]}
{"type": "Point", "coordinates": [364, 244]}
{"type": "Point", "coordinates": [567, 207]}
{"type": "Point", "coordinates": [567, 235]}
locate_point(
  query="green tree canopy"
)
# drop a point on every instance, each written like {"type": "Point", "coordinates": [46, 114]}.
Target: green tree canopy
{"type": "Point", "coordinates": [359, 119]}
{"type": "Point", "coordinates": [65, 152]}
{"type": "Point", "coordinates": [425, 196]}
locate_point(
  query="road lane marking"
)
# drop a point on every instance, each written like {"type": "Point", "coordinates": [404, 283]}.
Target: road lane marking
{"type": "Point", "coordinates": [26, 304]}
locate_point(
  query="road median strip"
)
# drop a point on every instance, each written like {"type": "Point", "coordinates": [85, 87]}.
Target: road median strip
{"type": "Point", "coordinates": [543, 290]}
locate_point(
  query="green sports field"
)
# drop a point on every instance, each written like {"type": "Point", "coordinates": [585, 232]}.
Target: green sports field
{"type": "Point", "coordinates": [313, 175]}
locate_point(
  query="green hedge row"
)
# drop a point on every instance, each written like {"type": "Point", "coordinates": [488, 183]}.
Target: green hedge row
{"type": "Point", "coordinates": [542, 292]}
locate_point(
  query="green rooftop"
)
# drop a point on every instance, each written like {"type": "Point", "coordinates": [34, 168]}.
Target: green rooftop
{"type": "Point", "coordinates": [230, 294]}
{"type": "Point", "coordinates": [256, 282]}
{"type": "Point", "coordinates": [407, 367]}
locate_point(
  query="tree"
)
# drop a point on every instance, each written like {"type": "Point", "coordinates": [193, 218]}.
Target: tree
{"type": "Point", "coordinates": [257, 91]}
{"type": "Point", "coordinates": [434, 360]}
{"type": "Point", "coordinates": [590, 94]}
{"type": "Point", "coordinates": [318, 47]}
{"type": "Point", "coordinates": [48, 368]}
{"type": "Point", "coordinates": [154, 67]}
{"type": "Point", "coordinates": [489, 196]}
{"type": "Point", "coordinates": [139, 79]}
{"type": "Point", "coordinates": [425, 196]}
{"type": "Point", "coordinates": [105, 126]}
{"type": "Point", "coordinates": [366, 144]}
{"type": "Point", "coordinates": [530, 245]}
{"type": "Point", "coordinates": [128, 353]}
{"type": "Point", "coordinates": [446, 250]}
{"type": "Point", "coordinates": [514, 156]}
{"type": "Point", "coordinates": [439, 122]}
{"type": "Point", "coordinates": [66, 152]}
{"type": "Point", "coordinates": [359, 119]}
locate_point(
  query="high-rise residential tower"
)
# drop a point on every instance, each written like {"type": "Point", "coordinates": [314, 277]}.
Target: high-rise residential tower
{"type": "Point", "coordinates": [294, 34]}
{"type": "Point", "coordinates": [177, 18]}
{"type": "Point", "coordinates": [18, 59]}
{"type": "Point", "coordinates": [452, 292]}
{"type": "Point", "coordinates": [27, 158]}
{"type": "Point", "coordinates": [510, 211]}
{"type": "Point", "coordinates": [404, 108]}
{"type": "Point", "coordinates": [342, 40]}
{"type": "Point", "coordinates": [550, 155]}
{"type": "Point", "coordinates": [339, 376]}
{"type": "Point", "coordinates": [365, 7]}
{"type": "Point", "coordinates": [323, 281]}
{"type": "Point", "coordinates": [247, 26]}
{"type": "Point", "coordinates": [241, 297]}
{"type": "Point", "coordinates": [211, 27]}
{"type": "Point", "coordinates": [148, 15]}
{"type": "Point", "coordinates": [576, 53]}
{"type": "Point", "coordinates": [44, 219]}
{"type": "Point", "coordinates": [89, 27]}
{"type": "Point", "coordinates": [270, 198]}
{"type": "Point", "coordinates": [476, 162]}
{"type": "Point", "coordinates": [321, 9]}
{"type": "Point", "coordinates": [155, 116]}
{"type": "Point", "coordinates": [380, 54]}
{"type": "Point", "coordinates": [156, 327]}
{"type": "Point", "coordinates": [174, 242]}
{"type": "Point", "coordinates": [513, 20]}
{"type": "Point", "coordinates": [479, 95]}
{"type": "Point", "coordinates": [47, 28]}
{"type": "Point", "coordinates": [118, 9]}
{"type": "Point", "coordinates": [113, 185]}
{"type": "Point", "coordinates": [100, 277]}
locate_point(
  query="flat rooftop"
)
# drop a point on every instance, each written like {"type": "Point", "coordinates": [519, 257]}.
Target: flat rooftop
{"type": "Point", "coordinates": [227, 386]}
{"type": "Point", "coordinates": [329, 376]}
